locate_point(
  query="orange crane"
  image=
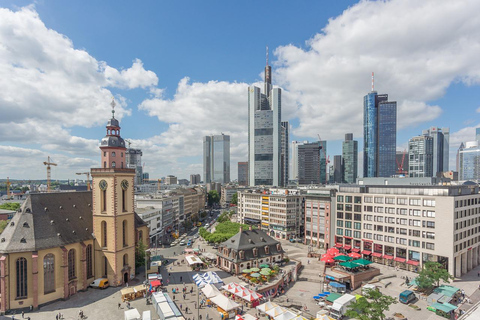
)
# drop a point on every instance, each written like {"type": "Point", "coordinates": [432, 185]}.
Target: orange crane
{"type": "Point", "coordinates": [49, 163]}
{"type": "Point", "coordinates": [88, 178]}
{"type": "Point", "coordinates": [400, 168]}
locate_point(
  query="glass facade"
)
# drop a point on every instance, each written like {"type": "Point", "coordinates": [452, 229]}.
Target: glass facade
{"type": "Point", "coordinates": [350, 158]}
{"type": "Point", "coordinates": [469, 157]}
{"type": "Point", "coordinates": [216, 158]}
{"type": "Point", "coordinates": [370, 135]}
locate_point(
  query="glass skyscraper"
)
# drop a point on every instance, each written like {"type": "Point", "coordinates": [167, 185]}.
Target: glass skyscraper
{"type": "Point", "coordinates": [380, 135]}
{"type": "Point", "coordinates": [216, 158]}
{"type": "Point", "coordinates": [469, 161]}
{"type": "Point", "coordinates": [350, 159]}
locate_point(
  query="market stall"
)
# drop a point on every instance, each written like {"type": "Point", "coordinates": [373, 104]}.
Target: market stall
{"type": "Point", "coordinates": [194, 261]}
{"type": "Point", "coordinates": [210, 291]}
{"type": "Point", "coordinates": [225, 306]}
{"type": "Point", "coordinates": [132, 314]}
{"type": "Point", "coordinates": [263, 308]}
{"type": "Point", "coordinates": [132, 293]}
{"type": "Point", "coordinates": [287, 315]}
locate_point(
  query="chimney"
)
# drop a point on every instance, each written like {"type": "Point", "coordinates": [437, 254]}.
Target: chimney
{"type": "Point", "coordinates": [250, 228]}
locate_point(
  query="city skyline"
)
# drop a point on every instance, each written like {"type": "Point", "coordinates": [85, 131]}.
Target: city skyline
{"type": "Point", "coordinates": [66, 61]}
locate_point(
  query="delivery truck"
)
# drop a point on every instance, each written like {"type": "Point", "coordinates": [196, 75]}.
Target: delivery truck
{"type": "Point", "coordinates": [339, 308]}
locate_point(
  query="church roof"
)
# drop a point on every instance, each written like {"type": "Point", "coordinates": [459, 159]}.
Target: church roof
{"type": "Point", "coordinates": [249, 239]}
{"type": "Point", "coordinates": [49, 220]}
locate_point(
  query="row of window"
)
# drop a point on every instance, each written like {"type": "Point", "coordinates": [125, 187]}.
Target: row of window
{"type": "Point", "coordinates": [400, 201]}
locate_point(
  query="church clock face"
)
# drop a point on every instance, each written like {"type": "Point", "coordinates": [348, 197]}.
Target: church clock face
{"type": "Point", "coordinates": [124, 184]}
{"type": "Point", "coordinates": [103, 185]}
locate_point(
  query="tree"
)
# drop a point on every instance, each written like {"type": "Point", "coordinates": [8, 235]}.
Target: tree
{"type": "Point", "coordinates": [234, 198]}
{"type": "Point", "coordinates": [140, 252]}
{"type": "Point", "coordinates": [431, 274]}
{"type": "Point", "coordinates": [213, 197]}
{"type": "Point", "coordinates": [14, 206]}
{"type": "Point", "coordinates": [3, 225]}
{"type": "Point", "coordinates": [371, 306]}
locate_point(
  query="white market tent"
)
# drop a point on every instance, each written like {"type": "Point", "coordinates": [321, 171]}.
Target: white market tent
{"type": "Point", "coordinates": [275, 312]}
{"type": "Point", "coordinates": [225, 303]}
{"type": "Point", "coordinates": [207, 278]}
{"type": "Point", "coordinates": [193, 260]}
{"type": "Point", "coordinates": [266, 306]}
{"type": "Point", "coordinates": [245, 317]}
{"type": "Point", "coordinates": [132, 314]}
{"type": "Point", "coordinates": [287, 315]}
{"type": "Point", "coordinates": [210, 291]}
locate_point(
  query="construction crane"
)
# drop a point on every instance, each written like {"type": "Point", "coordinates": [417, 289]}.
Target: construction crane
{"type": "Point", "coordinates": [49, 163]}
{"type": "Point", "coordinates": [88, 178]}
{"type": "Point", "coordinates": [400, 169]}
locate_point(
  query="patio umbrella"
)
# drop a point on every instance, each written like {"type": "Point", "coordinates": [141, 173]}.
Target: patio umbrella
{"type": "Point", "coordinates": [349, 265]}
{"type": "Point", "coordinates": [254, 270]}
{"type": "Point", "coordinates": [327, 259]}
{"type": "Point", "coordinates": [326, 255]}
{"type": "Point", "coordinates": [246, 271]}
{"type": "Point", "coordinates": [265, 273]}
{"type": "Point", "coordinates": [362, 262]}
{"type": "Point", "coordinates": [355, 255]}
{"type": "Point", "coordinates": [255, 275]}
{"type": "Point", "coordinates": [332, 251]}
{"type": "Point", "coordinates": [342, 258]}
{"type": "Point", "coordinates": [264, 266]}
{"type": "Point", "coordinates": [266, 269]}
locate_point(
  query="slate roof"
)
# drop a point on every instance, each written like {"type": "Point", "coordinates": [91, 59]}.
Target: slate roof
{"type": "Point", "coordinates": [49, 220]}
{"type": "Point", "coordinates": [246, 240]}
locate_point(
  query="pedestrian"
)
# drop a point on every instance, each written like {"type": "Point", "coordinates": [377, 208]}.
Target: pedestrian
{"type": "Point", "coordinates": [126, 284]}
{"type": "Point", "coordinates": [184, 296]}
{"type": "Point", "coordinates": [206, 317]}
{"type": "Point", "coordinates": [181, 306]}
{"type": "Point", "coordinates": [56, 317]}
{"type": "Point", "coordinates": [191, 290]}
{"type": "Point", "coordinates": [195, 304]}
{"type": "Point", "coordinates": [308, 261]}
{"type": "Point", "coordinates": [23, 314]}
{"type": "Point", "coordinates": [173, 297]}
{"type": "Point", "coordinates": [119, 304]}
{"type": "Point", "coordinates": [478, 273]}
{"type": "Point", "coordinates": [186, 309]}
{"type": "Point", "coordinates": [200, 317]}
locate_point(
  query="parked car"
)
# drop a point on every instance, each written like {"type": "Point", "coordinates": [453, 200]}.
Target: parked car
{"type": "Point", "coordinates": [182, 243]}
{"type": "Point", "coordinates": [407, 296]}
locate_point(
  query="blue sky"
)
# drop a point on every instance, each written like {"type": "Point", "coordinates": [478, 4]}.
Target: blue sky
{"type": "Point", "coordinates": [179, 70]}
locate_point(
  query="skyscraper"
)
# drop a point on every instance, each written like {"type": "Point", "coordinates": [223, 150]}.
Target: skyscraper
{"type": "Point", "coordinates": [264, 140]}
{"type": "Point", "coordinates": [294, 171]}
{"type": "Point", "coordinates": [284, 155]}
{"type": "Point", "coordinates": [216, 158]}
{"type": "Point", "coordinates": [323, 162]}
{"type": "Point", "coordinates": [309, 163]}
{"type": "Point", "coordinates": [469, 161]}
{"type": "Point", "coordinates": [243, 173]}
{"type": "Point", "coordinates": [337, 169]}
{"type": "Point", "coordinates": [420, 156]}
{"type": "Point", "coordinates": [350, 158]}
{"type": "Point", "coordinates": [379, 134]}
{"type": "Point", "coordinates": [441, 149]}
{"type": "Point", "coordinates": [134, 161]}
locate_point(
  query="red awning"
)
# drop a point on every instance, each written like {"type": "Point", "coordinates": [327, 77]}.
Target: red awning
{"type": "Point", "coordinates": [386, 256]}
{"type": "Point", "coordinates": [347, 247]}
{"type": "Point", "coordinates": [364, 240]}
{"type": "Point", "coordinates": [399, 259]}
{"type": "Point", "coordinates": [366, 252]}
{"type": "Point", "coordinates": [339, 245]}
{"type": "Point", "coordinates": [347, 237]}
{"type": "Point", "coordinates": [355, 250]}
{"type": "Point", "coordinates": [376, 254]}
{"type": "Point", "coordinates": [155, 283]}
{"type": "Point", "coordinates": [413, 262]}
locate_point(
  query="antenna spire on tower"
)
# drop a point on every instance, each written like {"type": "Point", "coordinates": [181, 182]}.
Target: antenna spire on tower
{"type": "Point", "coordinates": [113, 107]}
{"type": "Point", "coordinates": [267, 55]}
{"type": "Point", "coordinates": [373, 82]}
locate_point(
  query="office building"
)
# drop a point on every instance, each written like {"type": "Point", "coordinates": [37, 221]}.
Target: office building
{"type": "Point", "coordinates": [408, 225]}
{"type": "Point", "coordinates": [324, 161]}
{"type": "Point", "coordinates": [243, 173]}
{"type": "Point", "coordinates": [134, 161]}
{"type": "Point", "coordinates": [469, 161]}
{"type": "Point", "coordinates": [309, 163]}
{"type": "Point", "coordinates": [337, 169]}
{"type": "Point", "coordinates": [264, 137]}
{"type": "Point", "coordinates": [195, 178]}
{"type": "Point", "coordinates": [216, 158]}
{"type": "Point", "coordinates": [284, 163]}
{"type": "Point", "coordinates": [379, 134]}
{"type": "Point", "coordinates": [441, 148]}
{"type": "Point", "coordinates": [350, 158]}
{"type": "Point", "coordinates": [318, 213]}
{"type": "Point", "coordinates": [171, 180]}
{"type": "Point", "coordinates": [279, 212]}
{"type": "Point", "coordinates": [420, 156]}
{"type": "Point", "coordinates": [294, 156]}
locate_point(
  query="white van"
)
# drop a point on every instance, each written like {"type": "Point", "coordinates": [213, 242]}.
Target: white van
{"type": "Point", "coordinates": [101, 283]}
{"type": "Point", "coordinates": [367, 287]}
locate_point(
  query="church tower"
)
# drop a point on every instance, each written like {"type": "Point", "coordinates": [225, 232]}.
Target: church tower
{"type": "Point", "coordinates": [113, 209]}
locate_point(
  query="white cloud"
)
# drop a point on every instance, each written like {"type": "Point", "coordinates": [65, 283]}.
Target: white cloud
{"type": "Point", "coordinates": [134, 77]}
{"type": "Point", "coordinates": [418, 48]}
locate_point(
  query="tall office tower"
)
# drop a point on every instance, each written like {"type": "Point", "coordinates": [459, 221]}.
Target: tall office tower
{"type": "Point", "coordinates": [216, 158]}
{"type": "Point", "coordinates": [477, 134]}
{"type": "Point", "coordinates": [284, 154]}
{"type": "Point", "coordinates": [294, 171]}
{"type": "Point", "coordinates": [309, 160]}
{"type": "Point", "coordinates": [379, 134]}
{"type": "Point", "coordinates": [337, 169]}
{"type": "Point", "coordinates": [243, 173]}
{"type": "Point", "coordinates": [441, 142]}
{"type": "Point", "coordinates": [420, 156]}
{"type": "Point", "coordinates": [350, 158]}
{"type": "Point", "coordinates": [134, 161]}
{"type": "Point", "coordinates": [469, 161]}
{"type": "Point", "coordinates": [195, 179]}
{"type": "Point", "coordinates": [323, 162]}
{"type": "Point", "coordinates": [462, 145]}
{"type": "Point", "coordinates": [264, 144]}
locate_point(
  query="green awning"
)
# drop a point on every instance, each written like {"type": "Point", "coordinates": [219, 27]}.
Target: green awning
{"type": "Point", "coordinates": [342, 258]}
{"type": "Point", "coordinates": [362, 262]}
{"type": "Point", "coordinates": [264, 266]}
{"type": "Point", "coordinates": [349, 265]}
{"type": "Point", "coordinates": [445, 307]}
{"type": "Point", "coordinates": [333, 296]}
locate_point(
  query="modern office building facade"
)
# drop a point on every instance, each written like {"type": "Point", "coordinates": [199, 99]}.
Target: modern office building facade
{"type": "Point", "coordinates": [264, 133]}
{"type": "Point", "coordinates": [350, 158]}
{"type": "Point", "coordinates": [318, 213]}
{"type": "Point", "coordinates": [379, 134]}
{"type": "Point", "coordinates": [134, 161]}
{"type": "Point", "coordinates": [323, 162]}
{"type": "Point", "coordinates": [294, 156]}
{"type": "Point", "coordinates": [195, 178]}
{"type": "Point", "coordinates": [279, 212]}
{"type": "Point", "coordinates": [309, 163]}
{"type": "Point", "coordinates": [441, 148]}
{"type": "Point", "coordinates": [337, 175]}
{"type": "Point", "coordinates": [420, 156]}
{"type": "Point", "coordinates": [407, 225]}
{"type": "Point", "coordinates": [216, 158]}
{"type": "Point", "coordinates": [469, 161]}
{"type": "Point", "coordinates": [284, 156]}
{"type": "Point", "coordinates": [243, 173]}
